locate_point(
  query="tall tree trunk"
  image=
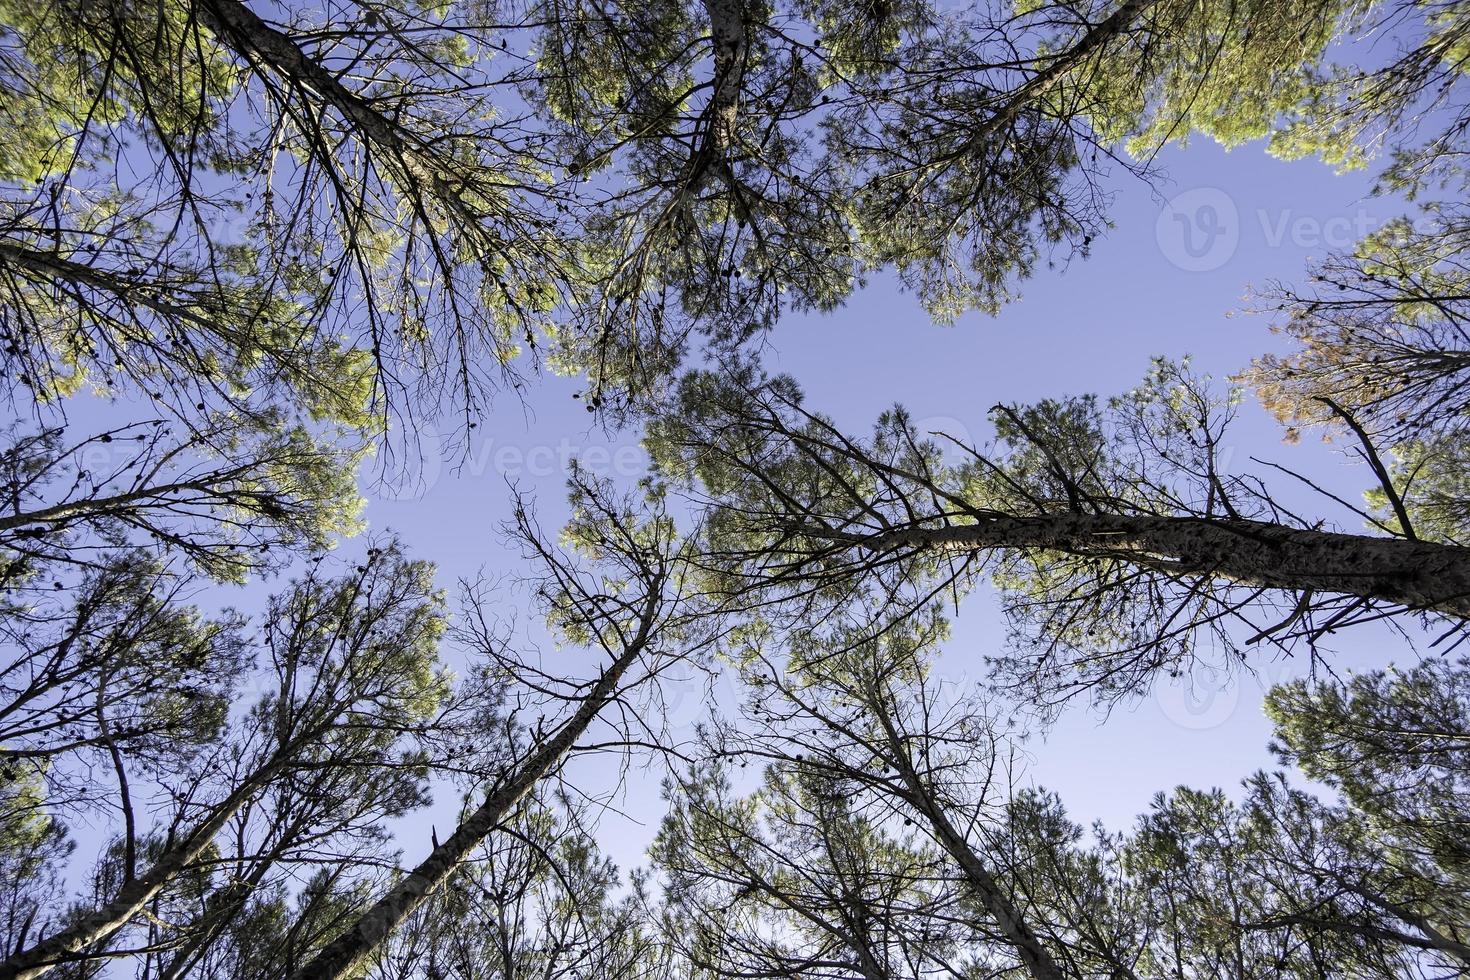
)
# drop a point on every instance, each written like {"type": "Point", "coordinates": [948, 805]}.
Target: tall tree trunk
{"type": "Point", "coordinates": [238, 28]}
{"type": "Point", "coordinates": [728, 35]}
{"type": "Point", "coordinates": [1418, 574]}
{"type": "Point", "coordinates": [1039, 84]}
{"type": "Point", "coordinates": [338, 958]}
{"type": "Point", "coordinates": [134, 895]}
{"type": "Point", "coordinates": [224, 905]}
{"type": "Point", "coordinates": [132, 291]}
{"type": "Point", "coordinates": [983, 885]}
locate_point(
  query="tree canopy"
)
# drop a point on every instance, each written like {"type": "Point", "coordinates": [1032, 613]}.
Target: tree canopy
{"type": "Point", "coordinates": [246, 244]}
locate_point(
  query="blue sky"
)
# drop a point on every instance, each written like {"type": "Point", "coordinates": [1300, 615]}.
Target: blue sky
{"type": "Point", "coordinates": [1172, 278]}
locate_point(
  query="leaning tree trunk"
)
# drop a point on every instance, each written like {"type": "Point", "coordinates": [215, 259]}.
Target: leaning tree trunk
{"type": "Point", "coordinates": [1111, 27]}
{"type": "Point", "coordinates": [134, 895]}
{"type": "Point", "coordinates": [983, 885]}
{"type": "Point", "coordinates": [338, 958]}
{"type": "Point", "coordinates": [1421, 575]}
{"type": "Point", "coordinates": [79, 276]}
{"type": "Point", "coordinates": [238, 27]}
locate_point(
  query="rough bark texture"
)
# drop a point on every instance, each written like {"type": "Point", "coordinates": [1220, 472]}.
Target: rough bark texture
{"type": "Point", "coordinates": [56, 268]}
{"type": "Point", "coordinates": [135, 895]}
{"type": "Point", "coordinates": [339, 957]}
{"type": "Point", "coordinates": [986, 889]}
{"type": "Point", "coordinates": [727, 34]}
{"type": "Point", "coordinates": [238, 28]}
{"type": "Point", "coordinates": [1418, 574]}
{"type": "Point", "coordinates": [1037, 85]}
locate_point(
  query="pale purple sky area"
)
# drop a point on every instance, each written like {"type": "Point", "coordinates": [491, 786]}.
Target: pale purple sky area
{"type": "Point", "coordinates": [1168, 280]}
